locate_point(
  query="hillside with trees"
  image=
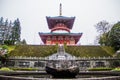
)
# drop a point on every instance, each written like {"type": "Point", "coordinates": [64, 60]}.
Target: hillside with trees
{"type": "Point", "coordinates": [10, 32]}
{"type": "Point", "coordinates": [109, 35]}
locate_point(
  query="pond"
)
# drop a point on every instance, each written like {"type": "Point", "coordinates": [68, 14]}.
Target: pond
{"type": "Point", "coordinates": [48, 77]}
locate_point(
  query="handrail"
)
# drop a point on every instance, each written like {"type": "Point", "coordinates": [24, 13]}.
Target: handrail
{"type": "Point", "coordinates": [78, 58]}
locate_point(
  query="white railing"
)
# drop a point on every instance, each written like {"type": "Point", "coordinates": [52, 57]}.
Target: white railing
{"type": "Point", "coordinates": [78, 58]}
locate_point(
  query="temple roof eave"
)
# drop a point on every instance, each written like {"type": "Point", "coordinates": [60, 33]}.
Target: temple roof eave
{"type": "Point", "coordinates": [66, 34]}
{"type": "Point", "coordinates": [76, 36]}
{"type": "Point", "coordinates": [52, 21]}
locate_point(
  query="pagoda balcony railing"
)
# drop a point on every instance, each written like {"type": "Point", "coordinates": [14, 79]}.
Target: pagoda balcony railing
{"type": "Point", "coordinates": [28, 58]}
{"type": "Point", "coordinates": [60, 28]}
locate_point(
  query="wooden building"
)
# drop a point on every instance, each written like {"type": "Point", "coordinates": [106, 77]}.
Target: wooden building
{"type": "Point", "coordinates": [60, 27]}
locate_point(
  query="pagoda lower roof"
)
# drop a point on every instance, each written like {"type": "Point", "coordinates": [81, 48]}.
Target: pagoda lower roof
{"type": "Point", "coordinates": [44, 36]}
{"type": "Point", "coordinates": [52, 21]}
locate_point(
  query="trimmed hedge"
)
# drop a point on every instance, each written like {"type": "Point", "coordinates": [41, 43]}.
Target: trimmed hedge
{"type": "Point", "coordinates": [25, 69]}
{"type": "Point", "coordinates": [18, 69]}
{"type": "Point", "coordinates": [116, 69]}
{"type": "Point", "coordinates": [33, 50]}
{"type": "Point", "coordinates": [90, 51]}
{"type": "Point", "coordinates": [46, 50]}
{"type": "Point", "coordinates": [100, 69]}
{"type": "Point", "coordinates": [5, 69]}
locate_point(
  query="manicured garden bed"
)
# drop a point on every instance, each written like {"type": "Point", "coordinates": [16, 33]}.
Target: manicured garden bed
{"type": "Point", "coordinates": [100, 69]}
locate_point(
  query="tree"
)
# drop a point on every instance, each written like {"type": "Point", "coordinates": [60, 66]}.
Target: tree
{"type": "Point", "coordinates": [6, 22]}
{"type": "Point", "coordinates": [6, 33]}
{"type": "Point", "coordinates": [10, 32]}
{"type": "Point", "coordinates": [1, 21]}
{"type": "Point", "coordinates": [103, 27]}
{"type": "Point", "coordinates": [10, 25]}
{"type": "Point", "coordinates": [24, 42]}
{"type": "Point", "coordinates": [114, 36]}
{"type": "Point", "coordinates": [16, 31]}
{"type": "Point", "coordinates": [96, 41]}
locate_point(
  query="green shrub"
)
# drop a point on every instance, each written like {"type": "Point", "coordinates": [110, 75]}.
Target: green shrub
{"type": "Point", "coordinates": [5, 69]}
{"type": "Point", "coordinates": [100, 69]}
{"type": "Point", "coordinates": [5, 47]}
{"type": "Point", "coordinates": [25, 69]}
{"type": "Point", "coordinates": [116, 69]}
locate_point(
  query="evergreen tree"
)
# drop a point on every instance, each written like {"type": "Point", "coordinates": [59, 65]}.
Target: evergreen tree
{"type": "Point", "coordinates": [9, 32]}
{"type": "Point", "coordinates": [1, 21]}
{"type": "Point", "coordinates": [23, 42]}
{"type": "Point", "coordinates": [114, 36]}
{"type": "Point", "coordinates": [6, 34]}
{"type": "Point", "coordinates": [16, 31]}
{"type": "Point", "coordinates": [6, 22]}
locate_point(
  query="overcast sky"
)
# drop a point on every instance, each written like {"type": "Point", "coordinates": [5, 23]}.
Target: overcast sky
{"type": "Point", "coordinates": [32, 15]}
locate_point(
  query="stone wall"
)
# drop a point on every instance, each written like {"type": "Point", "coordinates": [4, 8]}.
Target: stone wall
{"type": "Point", "coordinates": [83, 63]}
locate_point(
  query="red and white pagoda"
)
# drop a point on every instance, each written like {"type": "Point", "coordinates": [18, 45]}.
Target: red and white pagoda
{"type": "Point", "coordinates": [60, 27]}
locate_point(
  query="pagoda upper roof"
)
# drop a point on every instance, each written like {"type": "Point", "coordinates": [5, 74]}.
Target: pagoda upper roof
{"type": "Point", "coordinates": [52, 21]}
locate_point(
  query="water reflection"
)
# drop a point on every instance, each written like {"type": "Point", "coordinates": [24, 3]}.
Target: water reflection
{"type": "Point", "coordinates": [78, 77]}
